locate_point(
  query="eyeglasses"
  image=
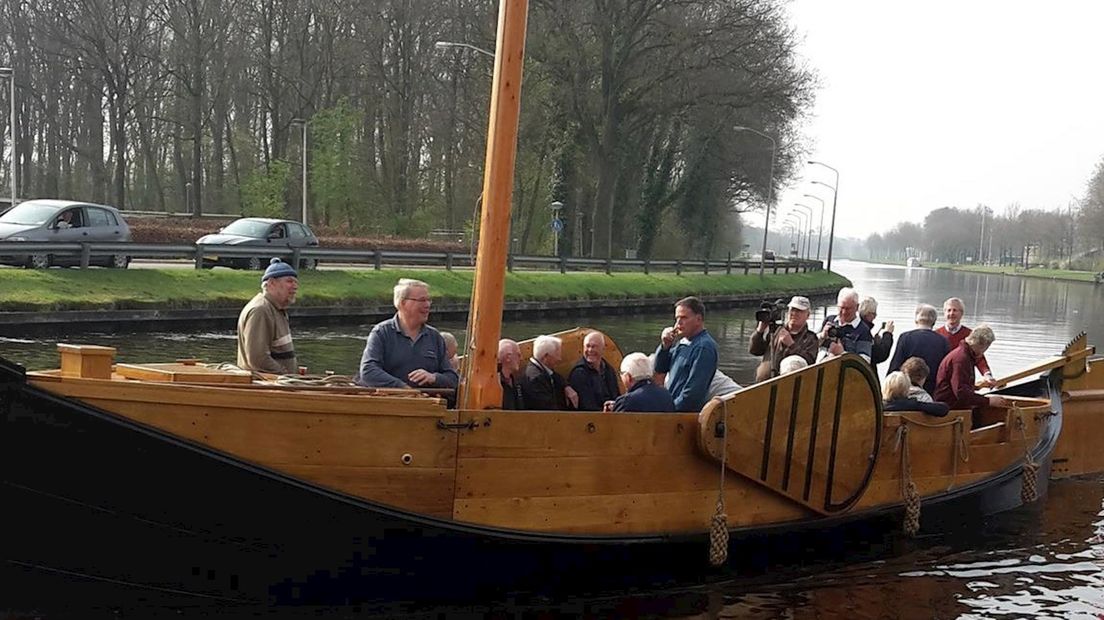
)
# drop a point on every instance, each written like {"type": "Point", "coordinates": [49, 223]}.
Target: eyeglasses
{"type": "Point", "coordinates": [420, 300]}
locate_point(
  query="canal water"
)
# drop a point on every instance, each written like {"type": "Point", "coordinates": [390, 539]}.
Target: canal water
{"type": "Point", "coordinates": [1045, 561]}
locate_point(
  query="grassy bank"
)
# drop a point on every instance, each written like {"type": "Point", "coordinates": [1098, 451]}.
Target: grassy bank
{"type": "Point", "coordinates": [107, 289]}
{"type": "Point", "coordinates": [1012, 270]}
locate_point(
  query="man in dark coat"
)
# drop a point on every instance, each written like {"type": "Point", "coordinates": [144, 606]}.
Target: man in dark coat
{"type": "Point", "coordinates": [922, 342]}
{"type": "Point", "coordinates": [542, 387]}
{"type": "Point", "coordinates": [643, 395]}
{"type": "Point", "coordinates": [592, 378]}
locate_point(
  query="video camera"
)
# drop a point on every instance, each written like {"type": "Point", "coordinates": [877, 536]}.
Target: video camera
{"type": "Point", "coordinates": [833, 332]}
{"type": "Point", "coordinates": [771, 311]}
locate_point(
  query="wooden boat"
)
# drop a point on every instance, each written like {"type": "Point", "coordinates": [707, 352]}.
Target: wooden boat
{"type": "Point", "coordinates": [175, 481]}
{"type": "Point", "coordinates": [1078, 451]}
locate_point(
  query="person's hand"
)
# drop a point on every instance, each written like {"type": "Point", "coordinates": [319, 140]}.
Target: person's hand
{"type": "Point", "coordinates": [667, 338]}
{"type": "Point", "coordinates": [888, 327]}
{"type": "Point", "coordinates": [824, 331]}
{"type": "Point", "coordinates": [762, 327]}
{"type": "Point", "coordinates": [988, 380]}
{"type": "Point", "coordinates": [607, 406]}
{"type": "Point", "coordinates": [572, 396]}
{"type": "Point", "coordinates": [836, 348]}
{"type": "Point", "coordinates": [785, 338]}
{"type": "Point", "coordinates": [998, 401]}
{"type": "Point", "coordinates": [422, 377]}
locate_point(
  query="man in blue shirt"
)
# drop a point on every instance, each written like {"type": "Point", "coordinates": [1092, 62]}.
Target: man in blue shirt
{"type": "Point", "coordinates": [643, 395]}
{"type": "Point", "coordinates": [404, 351]}
{"type": "Point", "coordinates": [688, 354]}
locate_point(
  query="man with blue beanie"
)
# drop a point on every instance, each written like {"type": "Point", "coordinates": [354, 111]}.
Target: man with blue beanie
{"type": "Point", "coordinates": [264, 333]}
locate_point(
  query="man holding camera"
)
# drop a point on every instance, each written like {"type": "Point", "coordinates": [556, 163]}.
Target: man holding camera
{"type": "Point", "coordinates": [790, 338]}
{"type": "Point", "coordinates": [846, 332]}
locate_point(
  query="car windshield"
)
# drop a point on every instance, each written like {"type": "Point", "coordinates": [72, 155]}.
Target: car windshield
{"type": "Point", "coordinates": [30, 213]}
{"type": "Point", "coordinates": [246, 228]}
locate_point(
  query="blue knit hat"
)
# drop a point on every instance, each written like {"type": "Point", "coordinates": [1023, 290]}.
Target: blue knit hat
{"type": "Point", "coordinates": [278, 269]}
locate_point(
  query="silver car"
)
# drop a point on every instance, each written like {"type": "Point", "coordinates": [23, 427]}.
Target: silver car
{"type": "Point", "coordinates": [270, 237]}
{"type": "Point", "coordinates": [63, 221]}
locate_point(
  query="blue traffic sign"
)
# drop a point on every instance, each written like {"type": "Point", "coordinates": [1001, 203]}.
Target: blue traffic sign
{"type": "Point", "coordinates": [557, 225]}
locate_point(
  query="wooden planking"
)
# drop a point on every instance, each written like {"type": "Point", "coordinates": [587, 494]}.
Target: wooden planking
{"type": "Point", "coordinates": [420, 489]}
{"type": "Point", "coordinates": [524, 434]}
{"type": "Point", "coordinates": [584, 475]}
{"type": "Point", "coordinates": [647, 513]}
{"type": "Point", "coordinates": [231, 398]}
{"type": "Point", "coordinates": [282, 437]}
{"type": "Point", "coordinates": [181, 373]}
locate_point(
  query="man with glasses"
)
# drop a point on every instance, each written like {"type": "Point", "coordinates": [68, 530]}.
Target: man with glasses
{"type": "Point", "coordinates": [846, 332]}
{"type": "Point", "coordinates": [405, 351]}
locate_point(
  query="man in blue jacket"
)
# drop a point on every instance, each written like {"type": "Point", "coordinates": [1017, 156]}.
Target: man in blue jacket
{"type": "Point", "coordinates": [643, 395]}
{"type": "Point", "coordinates": [688, 354]}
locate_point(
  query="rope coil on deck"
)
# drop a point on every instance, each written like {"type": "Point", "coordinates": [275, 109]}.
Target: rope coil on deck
{"type": "Point", "coordinates": [718, 525]}
{"type": "Point", "coordinates": [908, 488]}
{"type": "Point", "coordinates": [1029, 492]}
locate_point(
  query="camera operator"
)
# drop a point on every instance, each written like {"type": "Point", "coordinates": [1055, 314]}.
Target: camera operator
{"type": "Point", "coordinates": [791, 338]}
{"type": "Point", "coordinates": [845, 332]}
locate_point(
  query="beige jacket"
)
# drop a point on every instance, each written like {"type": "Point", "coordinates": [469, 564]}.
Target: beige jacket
{"type": "Point", "coordinates": [264, 338]}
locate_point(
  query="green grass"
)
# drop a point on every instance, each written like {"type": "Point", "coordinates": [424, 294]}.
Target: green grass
{"type": "Point", "coordinates": [73, 289]}
{"type": "Point", "coordinates": [1011, 270]}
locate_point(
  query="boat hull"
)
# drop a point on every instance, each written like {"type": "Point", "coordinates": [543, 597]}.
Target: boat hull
{"type": "Point", "coordinates": [111, 510]}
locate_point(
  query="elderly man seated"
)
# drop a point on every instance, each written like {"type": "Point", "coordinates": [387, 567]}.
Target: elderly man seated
{"type": "Point", "coordinates": [543, 388]}
{"type": "Point", "coordinates": [643, 395]}
{"type": "Point", "coordinates": [509, 371]}
{"type": "Point", "coordinates": [405, 350]}
{"type": "Point", "coordinates": [592, 378]}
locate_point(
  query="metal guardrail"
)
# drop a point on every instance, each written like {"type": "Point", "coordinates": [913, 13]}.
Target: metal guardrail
{"type": "Point", "coordinates": [377, 259]}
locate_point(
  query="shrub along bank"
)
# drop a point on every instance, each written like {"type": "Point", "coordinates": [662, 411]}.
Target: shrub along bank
{"type": "Point", "coordinates": [172, 289]}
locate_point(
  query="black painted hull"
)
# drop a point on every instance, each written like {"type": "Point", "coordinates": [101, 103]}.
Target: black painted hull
{"type": "Point", "coordinates": [111, 510]}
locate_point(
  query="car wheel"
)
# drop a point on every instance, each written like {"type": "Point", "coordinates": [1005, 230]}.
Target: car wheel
{"type": "Point", "coordinates": [38, 261]}
{"type": "Point", "coordinates": [255, 264]}
{"type": "Point", "coordinates": [119, 261]}
{"type": "Point", "coordinates": [308, 263]}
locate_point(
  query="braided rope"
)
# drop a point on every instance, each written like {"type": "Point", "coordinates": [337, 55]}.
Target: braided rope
{"type": "Point", "coordinates": [909, 493]}
{"type": "Point", "coordinates": [718, 525]}
{"type": "Point", "coordinates": [1029, 492]}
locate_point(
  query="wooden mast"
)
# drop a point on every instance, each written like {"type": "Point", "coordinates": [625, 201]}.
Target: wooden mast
{"type": "Point", "coordinates": [482, 389]}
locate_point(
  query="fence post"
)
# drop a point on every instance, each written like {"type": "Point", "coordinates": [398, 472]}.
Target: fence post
{"type": "Point", "coordinates": [448, 261]}
{"type": "Point", "coordinates": [746, 265]}
{"type": "Point", "coordinates": [379, 260]}
{"type": "Point", "coordinates": [647, 266]}
{"type": "Point", "coordinates": [609, 265]}
{"type": "Point", "coordinates": [295, 258]}
{"type": "Point", "coordinates": [728, 265]}
{"type": "Point", "coordinates": [706, 265]}
{"type": "Point", "coordinates": [199, 256]}
{"type": "Point", "coordinates": [678, 267]}
{"type": "Point", "coordinates": [776, 269]}
{"type": "Point", "coordinates": [563, 264]}
{"type": "Point", "coordinates": [510, 263]}
{"type": "Point", "coordinates": [86, 255]}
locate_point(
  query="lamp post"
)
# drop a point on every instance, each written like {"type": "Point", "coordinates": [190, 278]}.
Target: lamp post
{"type": "Point", "coordinates": [9, 73]}
{"type": "Point", "coordinates": [820, 228]}
{"type": "Point", "coordinates": [796, 224]}
{"type": "Point", "coordinates": [303, 122]}
{"type": "Point", "coordinates": [809, 228]}
{"type": "Point", "coordinates": [801, 226]}
{"type": "Point", "coordinates": [981, 243]}
{"type": "Point", "coordinates": [770, 193]}
{"type": "Point", "coordinates": [557, 227]}
{"type": "Point", "coordinates": [447, 44]}
{"type": "Point", "coordinates": [835, 195]}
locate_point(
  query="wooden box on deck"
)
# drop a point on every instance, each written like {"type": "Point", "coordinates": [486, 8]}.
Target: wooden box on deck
{"type": "Point", "coordinates": [86, 361]}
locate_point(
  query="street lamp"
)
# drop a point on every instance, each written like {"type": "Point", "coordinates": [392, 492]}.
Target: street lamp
{"type": "Point", "coordinates": [820, 229]}
{"type": "Point", "coordinates": [557, 226]}
{"type": "Point", "coordinates": [795, 224]}
{"type": "Point", "coordinates": [806, 222]}
{"type": "Point", "coordinates": [770, 193]}
{"type": "Point", "coordinates": [835, 195]}
{"type": "Point", "coordinates": [9, 73]}
{"type": "Point", "coordinates": [447, 44]}
{"type": "Point", "coordinates": [303, 122]}
{"type": "Point", "coordinates": [809, 229]}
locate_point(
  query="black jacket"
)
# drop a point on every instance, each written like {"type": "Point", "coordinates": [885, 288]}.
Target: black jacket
{"type": "Point", "coordinates": [594, 387]}
{"type": "Point", "coordinates": [542, 391]}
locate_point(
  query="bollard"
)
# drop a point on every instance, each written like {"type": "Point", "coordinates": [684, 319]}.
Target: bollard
{"type": "Point", "coordinates": [609, 265]}
{"type": "Point", "coordinates": [647, 266]}
{"type": "Point", "coordinates": [199, 257]}
{"type": "Point", "coordinates": [563, 265]}
{"type": "Point", "coordinates": [510, 263]}
{"type": "Point", "coordinates": [728, 265]}
{"type": "Point", "coordinates": [448, 261]}
{"type": "Point", "coordinates": [86, 256]}
{"type": "Point", "coordinates": [678, 267]}
{"type": "Point", "coordinates": [379, 260]}
{"type": "Point", "coordinates": [707, 266]}
{"type": "Point", "coordinates": [295, 258]}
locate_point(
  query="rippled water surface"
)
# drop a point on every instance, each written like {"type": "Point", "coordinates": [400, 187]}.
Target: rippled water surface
{"type": "Point", "coordinates": [1044, 561]}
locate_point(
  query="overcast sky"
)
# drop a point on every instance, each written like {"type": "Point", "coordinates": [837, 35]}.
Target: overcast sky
{"type": "Point", "coordinates": [941, 103]}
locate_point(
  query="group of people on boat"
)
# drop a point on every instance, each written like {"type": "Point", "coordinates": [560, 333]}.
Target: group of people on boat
{"type": "Point", "coordinates": [681, 375]}
{"type": "Point", "coordinates": [932, 370]}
